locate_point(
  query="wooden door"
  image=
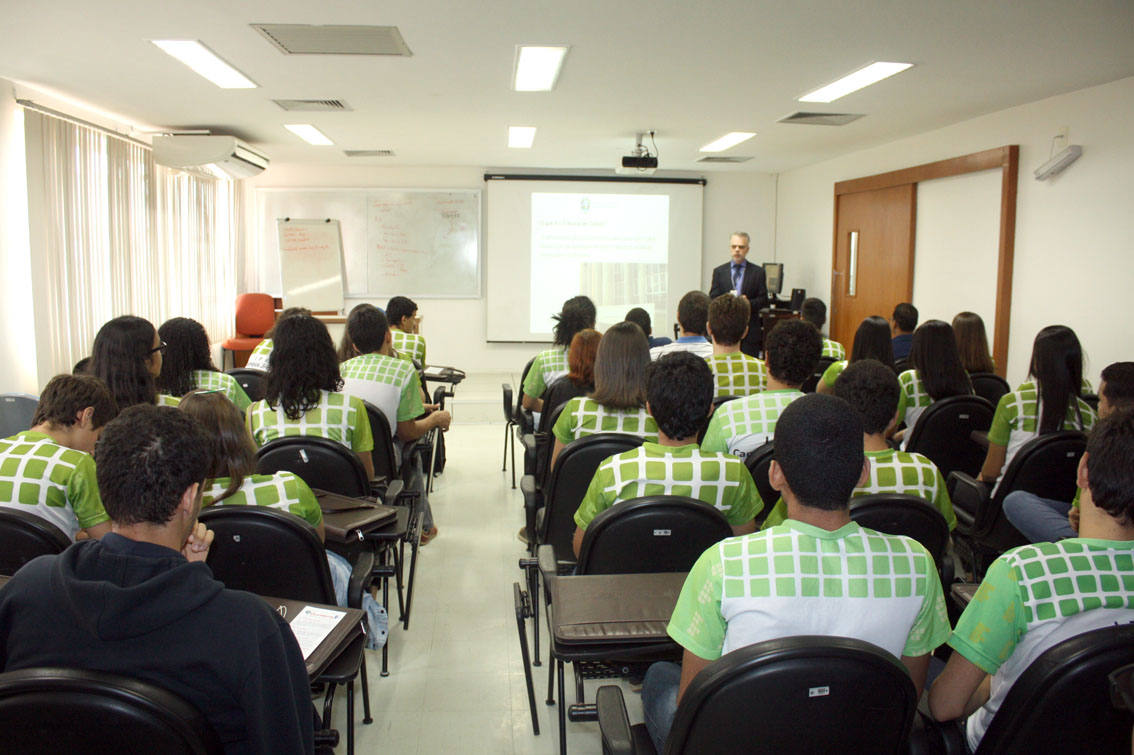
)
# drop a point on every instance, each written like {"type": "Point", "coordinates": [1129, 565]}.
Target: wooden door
{"type": "Point", "coordinates": [878, 274]}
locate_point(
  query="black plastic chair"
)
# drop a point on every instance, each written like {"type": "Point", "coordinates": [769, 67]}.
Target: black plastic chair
{"type": "Point", "coordinates": [758, 463]}
{"type": "Point", "coordinates": [252, 381]}
{"type": "Point", "coordinates": [79, 711]}
{"type": "Point", "coordinates": [897, 514]}
{"type": "Point", "coordinates": [24, 536]}
{"type": "Point", "coordinates": [532, 485]}
{"type": "Point", "coordinates": [16, 412]}
{"type": "Point", "coordinates": [901, 365]}
{"type": "Point", "coordinates": [320, 462]}
{"type": "Point", "coordinates": [989, 386]}
{"type": "Point", "coordinates": [277, 554]}
{"type": "Point", "coordinates": [943, 433]}
{"type": "Point", "coordinates": [1062, 702]}
{"type": "Point", "coordinates": [539, 443]}
{"type": "Point", "coordinates": [509, 423]}
{"type": "Point", "coordinates": [796, 694]}
{"type": "Point", "coordinates": [810, 384]}
{"type": "Point", "coordinates": [1045, 465]}
{"type": "Point", "coordinates": [385, 453]}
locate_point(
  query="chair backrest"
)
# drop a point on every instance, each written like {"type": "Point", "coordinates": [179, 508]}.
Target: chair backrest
{"type": "Point", "coordinates": [543, 453]}
{"type": "Point", "coordinates": [943, 433]}
{"type": "Point", "coordinates": [520, 389]}
{"type": "Point", "coordinates": [75, 710]}
{"type": "Point", "coordinates": [268, 552]}
{"type": "Point", "coordinates": [16, 413]}
{"type": "Point", "coordinates": [758, 463]}
{"type": "Point", "coordinates": [385, 453]}
{"type": "Point", "coordinates": [255, 314]}
{"type": "Point", "coordinates": [812, 382]}
{"type": "Point", "coordinates": [656, 533]}
{"type": "Point", "coordinates": [1064, 696]}
{"type": "Point", "coordinates": [557, 394]}
{"type": "Point", "coordinates": [813, 694]}
{"type": "Point", "coordinates": [320, 462]}
{"type": "Point", "coordinates": [897, 514]}
{"type": "Point", "coordinates": [24, 536]}
{"type": "Point", "coordinates": [989, 386]}
{"type": "Point", "coordinates": [509, 406]}
{"type": "Point", "coordinates": [252, 381]}
{"type": "Point", "coordinates": [573, 471]}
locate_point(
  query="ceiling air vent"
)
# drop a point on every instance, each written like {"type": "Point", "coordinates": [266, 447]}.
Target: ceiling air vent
{"type": "Point", "coordinates": [368, 152]}
{"type": "Point", "coordinates": [309, 39]}
{"type": "Point", "coordinates": [723, 159]}
{"type": "Point", "coordinates": [322, 106]}
{"type": "Point", "coordinates": [820, 119]}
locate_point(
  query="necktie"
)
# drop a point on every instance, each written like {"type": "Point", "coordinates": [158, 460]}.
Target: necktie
{"type": "Point", "coordinates": [737, 271]}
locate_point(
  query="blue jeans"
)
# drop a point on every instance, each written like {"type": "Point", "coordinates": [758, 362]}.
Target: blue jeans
{"type": "Point", "coordinates": [659, 700]}
{"type": "Point", "coordinates": [1040, 520]}
{"type": "Point", "coordinates": [378, 623]}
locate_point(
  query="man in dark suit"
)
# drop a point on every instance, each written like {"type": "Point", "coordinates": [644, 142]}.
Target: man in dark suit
{"type": "Point", "coordinates": [745, 279]}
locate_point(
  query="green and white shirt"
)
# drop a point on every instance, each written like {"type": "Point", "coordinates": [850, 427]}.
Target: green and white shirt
{"type": "Point", "coordinates": [390, 384]}
{"type": "Point", "coordinates": [164, 399]}
{"type": "Point", "coordinates": [652, 469]}
{"type": "Point", "coordinates": [208, 380]}
{"type": "Point", "coordinates": [831, 374]}
{"type": "Point", "coordinates": [409, 345]}
{"type": "Point", "coordinates": [1085, 386]}
{"type": "Point", "coordinates": [339, 417]}
{"type": "Point", "coordinates": [38, 476]}
{"type": "Point", "coordinates": [737, 374]}
{"type": "Point", "coordinates": [282, 490]}
{"type": "Point", "coordinates": [549, 366]}
{"type": "Point", "coordinates": [740, 427]}
{"type": "Point", "coordinates": [797, 579]}
{"type": "Point", "coordinates": [912, 401]}
{"type": "Point", "coordinates": [1034, 597]}
{"type": "Point", "coordinates": [697, 345]}
{"type": "Point", "coordinates": [1017, 417]}
{"type": "Point", "coordinates": [584, 416]}
{"type": "Point", "coordinates": [258, 359]}
{"type": "Point", "coordinates": [833, 350]}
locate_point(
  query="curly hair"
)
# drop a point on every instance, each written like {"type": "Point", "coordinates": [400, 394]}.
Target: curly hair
{"type": "Point", "coordinates": [302, 365]}
{"type": "Point", "coordinates": [120, 358]}
{"type": "Point", "coordinates": [186, 350]}
{"type": "Point", "coordinates": [872, 390]}
{"type": "Point", "coordinates": [679, 388]}
{"type": "Point", "coordinates": [793, 350]}
{"type": "Point", "coordinates": [578, 313]}
{"type": "Point", "coordinates": [819, 447]}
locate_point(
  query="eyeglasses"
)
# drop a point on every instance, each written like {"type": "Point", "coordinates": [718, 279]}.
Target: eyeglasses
{"type": "Point", "coordinates": [160, 348]}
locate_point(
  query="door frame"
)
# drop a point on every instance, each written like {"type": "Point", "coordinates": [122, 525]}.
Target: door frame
{"type": "Point", "coordinates": [1007, 159]}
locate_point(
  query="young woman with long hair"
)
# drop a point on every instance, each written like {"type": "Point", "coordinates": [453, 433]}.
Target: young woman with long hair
{"type": "Point", "coordinates": [127, 356]}
{"type": "Point", "coordinates": [258, 359]}
{"type": "Point", "coordinates": [578, 313]}
{"type": "Point", "coordinates": [935, 372]}
{"type": "Point", "coordinates": [871, 341]}
{"type": "Point", "coordinates": [972, 342]}
{"type": "Point", "coordinates": [187, 365]}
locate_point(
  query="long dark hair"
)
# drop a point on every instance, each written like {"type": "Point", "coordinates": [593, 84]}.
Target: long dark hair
{"type": "Point", "coordinates": [872, 341]}
{"type": "Point", "coordinates": [120, 355]}
{"type": "Point", "coordinates": [581, 358]}
{"type": "Point", "coordinates": [186, 350]}
{"type": "Point", "coordinates": [620, 367]}
{"type": "Point", "coordinates": [302, 365]}
{"type": "Point", "coordinates": [1057, 366]}
{"type": "Point", "coordinates": [972, 342]}
{"type": "Point", "coordinates": [233, 454]}
{"type": "Point", "coordinates": [933, 353]}
{"type": "Point", "coordinates": [577, 314]}
{"type": "Point", "coordinates": [285, 314]}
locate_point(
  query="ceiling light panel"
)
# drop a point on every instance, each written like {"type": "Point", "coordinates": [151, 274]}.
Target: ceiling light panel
{"type": "Point", "coordinates": [205, 63]}
{"type": "Point", "coordinates": [309, 134]}
{"type": "Point", "coordinates": [863, 77]}
{"type": "Point", "coordinates": [537, 68]}
{"type": "Point", "coordinates": [730, 139]}
{"type": "Point", "coordinates": [521, 137]}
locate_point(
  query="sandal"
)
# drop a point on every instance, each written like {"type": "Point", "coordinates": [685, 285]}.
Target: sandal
{"type": "Point", "coordinates": [426, 537]}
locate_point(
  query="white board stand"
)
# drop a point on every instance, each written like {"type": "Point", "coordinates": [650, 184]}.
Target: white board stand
{"type": "Point", "coordinates": [311, 263]}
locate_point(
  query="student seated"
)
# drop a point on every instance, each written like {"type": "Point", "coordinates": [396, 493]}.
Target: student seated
{"type": "Point", "coordinates": [734, 372]}
{"type": "Point", "coordinates": [692, 316]}
{"type": "Point", "coordinates": [580, 378]}
{"type": "Point", "coordinates": [346, 346]}
{"type": "Point", "coordinates": [141, 603]}
{"type": "Point", "coordinates": [871, 341]}
{"type": "Point", "coordinates": [48, 470]}
{"type": "Point", "coordinates": [260, 356]}
{"type": "Point", "coordinates": [1035, 596]}
{"type": "Point", "coordinates": [405, 329]}
{"type": "Point", "coordinates": [903, 323]}
{"type": "Point", "coordinates": [127, 357]}
{"type": "Point", "coordinates": [972, 343]}
{"type": "Point", "coordinates": [186, 365]}
{"type": "Point", "coordinates": [549, 365]}
{"type": "Point", "coordinates": [679, 395]}
{"type": "Point", "coordinates": [641, 318]}
{"type": "Point", "coordinates": [867, 585]}
{"type": "Point", "coordinates": [935, 373]}
{"type": "Point", "coordinates": [1043, 520]}
{"type": "Point", "coordinates": [814, 311]}
{"type": "Point", "coordinates": [301, 392]}
{"type": "Point", "coordinates": [740, 427]}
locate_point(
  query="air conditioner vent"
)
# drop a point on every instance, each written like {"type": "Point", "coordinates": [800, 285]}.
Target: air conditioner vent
{"type": "Point", "coordinates": [310, 39]}
{"type": "Point", "coordinates": [368, 152]}
{"type": "Point", "coordinates": [724, 159]}
{"type": "Point", "coordinates": [820, 119]}
{"type": "Point", "coordinates": [321, 106]}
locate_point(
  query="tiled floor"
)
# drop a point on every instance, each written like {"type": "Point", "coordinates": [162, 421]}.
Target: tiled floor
{"type": "Point", "coordinates": [456, 682]}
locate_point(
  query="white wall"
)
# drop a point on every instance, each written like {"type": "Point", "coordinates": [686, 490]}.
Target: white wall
{"type": "Point", "coordinates": [1074, 261]}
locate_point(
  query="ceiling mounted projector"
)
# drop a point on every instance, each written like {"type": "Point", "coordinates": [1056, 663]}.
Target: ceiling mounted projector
{"type": "Point", "coordinates": [640, 162]}
{"type": "Point", "coordinates": [1058, 163]}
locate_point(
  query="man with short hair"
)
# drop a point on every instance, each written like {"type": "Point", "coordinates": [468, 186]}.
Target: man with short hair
{"type": "Point", "coordinates": [814, 311]}
{"type": "Point", "coordinates": [405, 329]}
{"type": "Point", "coordinates": [902, 325]}
{"type": "Point", "coordinates": [141, 602]}
{"type": "Point", "coordinates": [735, 373]}
{"type": "Point", "coordinates": [692, 315]}
{"type": "Point", "coordinates": [48, 470]}
{"type": "Point", "coordinates": [679, 395]}
{"type": "Point", "coordinates": [1036, 596]}
{"type": "Point", "coordinates": [744, 279]}
{"type": "Point", "coordinates": [819, 573]}
{"type": "Point", "coordinates": [740, 427]}
{"type": "Point", "coordinates": [641, 318]}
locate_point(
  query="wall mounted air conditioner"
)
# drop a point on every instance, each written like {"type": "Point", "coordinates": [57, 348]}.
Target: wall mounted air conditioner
{"type": "Point", "coordinates": [228, 153]}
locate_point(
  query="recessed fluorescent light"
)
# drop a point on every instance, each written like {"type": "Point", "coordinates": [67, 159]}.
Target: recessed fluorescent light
{"type": "Point", "coordinates": [521, 137]}
{"type": "Point", "coordinates": [205, 62]}
{"type": "Point", "coordinates": [308, 133]}
{"type": "Point", "coordinates": [537, 68]}
{"type": "Point", "coordinates": [863, 77]}
{"type": "Point", "coordinates": [730, 139]}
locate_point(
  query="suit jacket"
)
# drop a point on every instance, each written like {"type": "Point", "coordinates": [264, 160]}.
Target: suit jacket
{"type": "Point", "coordinates": [754, 287]}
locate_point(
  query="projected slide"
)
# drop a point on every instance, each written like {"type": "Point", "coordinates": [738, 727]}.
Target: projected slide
{"type": "Point", "coordinates": [611, 247]}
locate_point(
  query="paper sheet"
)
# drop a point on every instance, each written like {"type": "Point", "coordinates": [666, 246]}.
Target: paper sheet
{"type": "Point", "coordinates": [312, 625]}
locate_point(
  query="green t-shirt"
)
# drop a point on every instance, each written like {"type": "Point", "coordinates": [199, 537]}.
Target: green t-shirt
{"type": "Point", "coordinates": [409, 346]}
{"type": "Point", "coordinates": [56, 483]}
{"type": "Point", "coordinates": [833, 350]}
{"type": "Point", "coordinates": [740, 427]}
{"type": "Point", "coordinates": [737, 374]}
{"type": "Point", "coordinates": [390, 384]}
{"type": "Point", "coordinates": [208, 380]}
{"type": "Point", "coordinates": [831, 374]}
{"type": "Point", "coordinates": [164, 399]}
{"type": "Point", "coordinates": [549, 366]}
{"type": "Point", "coordinates": [797, 579]}
{"type": "Point", "coordinates": [584, 416]}
{"type": "Point", "coordinates": [913, 399]}
{"type": "Point", "coordinates": [652, 469]}
{"type": "Point", "coordinates": [339, 417]}
{"type": "Point", "coordinates": [1017, 417]}
{"type": "Point", "coordinates": [258, 359]}
{"type": "Point", "coordinates": [282, 490]}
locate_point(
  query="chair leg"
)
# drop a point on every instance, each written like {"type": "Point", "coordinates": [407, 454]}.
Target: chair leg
{"type": "Point", "coordinates": [328, 699]}
{"type": "Point", "coordinates": [389, 635]}
{"type": "Point", "coordinates": [512, 441]}
{"type": "Point", "coordinates": [533, 590]}
{"type": "Point", "coordinates": [550, 683]}
{"type": "Point", "coordinates": [521, 631]}
{"type": "Point", "coordinates": [350, 717]}
{"type": "Point", "coordinates": [412, 570]}
{"type": "Point", "coordinates": [395, 552]}
{"type": "Point", "coordinates": [507, 432]}
{"type": "Point", "coordinates": [366, 718]}
{"type": "Point", "coordinates": [562, 711]}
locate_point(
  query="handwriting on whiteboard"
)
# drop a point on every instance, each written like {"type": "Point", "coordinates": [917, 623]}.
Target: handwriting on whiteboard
{"type": "Point", "coordinates": [299, 238]}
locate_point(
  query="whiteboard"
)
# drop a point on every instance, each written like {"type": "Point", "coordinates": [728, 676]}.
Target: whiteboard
{"type": "Point", "coordinates": [311, 257]}
{"type": "Point", "coordinates": [410, 242]}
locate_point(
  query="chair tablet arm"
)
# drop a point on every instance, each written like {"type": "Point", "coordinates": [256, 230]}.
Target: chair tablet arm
{"type": "Point", "coordinates": [531, 442]}
{"type": "Point", "coordinates": [360, 576]}
{"type": "Point", "coordinates": [548, 564]}
{"type": "Point", "coordinates": [969, 498]}
{"type": "Point", "coordinates": [525, 423]}
{"type": "Point", "coordinates": [614, 724]}
{"type": "Point", "coordinates": [533, 498]}
{"type": "Point", "coordinates": [394, 489]}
